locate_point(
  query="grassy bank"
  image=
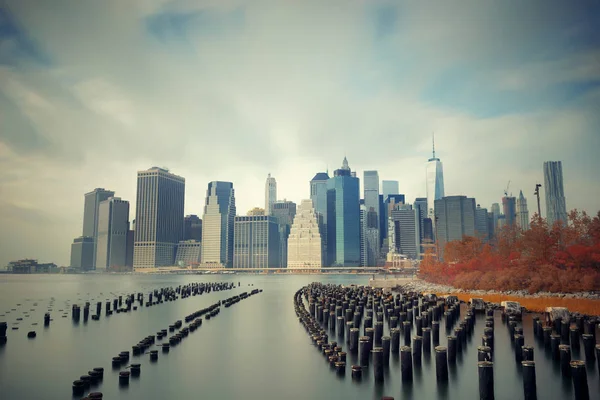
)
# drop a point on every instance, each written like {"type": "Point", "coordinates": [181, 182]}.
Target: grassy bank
{"type": "Point", "coordinates": [585, 306]}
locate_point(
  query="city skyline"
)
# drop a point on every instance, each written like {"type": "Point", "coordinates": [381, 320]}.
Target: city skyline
{"type": "Point", "coordinates": [78, 118]}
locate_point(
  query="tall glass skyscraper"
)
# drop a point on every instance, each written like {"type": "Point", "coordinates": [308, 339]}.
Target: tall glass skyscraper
{"type": "Point", "coordinates": [456, 219]}
{"type": "Point", "coordinates": [90, 215]}
{"type": "Point", "coordinates": [270, 194]}
{"type": "Point", "coordinates": [218, 225]}
{"type": "Point", "coordinates": [435, 183]}
{"type": "Point", "coordinates": [522, 212]}
{"type": "Point", "coordinates": [343, 218]}
{"type": "Point", "coordinates": [318, 195]}
{"type": "Point", "coordinates": [371, 232]}
{"type": "Point", "coordinates": [158, 218]}
{"type": "Point", "coordinates": [389, 187]}
{"type": "Point", "coordinates": [113, 227]}
{"type": "Point", "coordinates": [509, 206]}
{"type": "Point", "coordinates": [556, 204]}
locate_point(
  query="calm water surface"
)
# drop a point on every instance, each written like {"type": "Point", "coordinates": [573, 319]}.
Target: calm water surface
{"type": "Point", "coordinates": [255, 349]}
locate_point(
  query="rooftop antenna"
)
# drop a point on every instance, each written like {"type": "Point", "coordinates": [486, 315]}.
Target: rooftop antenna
{"type": "Point", "coordinates": [433, 142]}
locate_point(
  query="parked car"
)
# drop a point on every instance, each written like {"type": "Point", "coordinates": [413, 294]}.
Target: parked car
{"type": "Point", "coordinates": [450, 299]}
{"type": "Point", "coordinates": [430, 296]}
{"type": "Point", "coordinates": [477, 303]}
{"type": "Point", "coordinates": [511, 309]}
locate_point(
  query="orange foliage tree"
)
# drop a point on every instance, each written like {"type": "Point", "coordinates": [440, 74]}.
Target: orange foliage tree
{"type": "Point", "coordinates": [558, 258]}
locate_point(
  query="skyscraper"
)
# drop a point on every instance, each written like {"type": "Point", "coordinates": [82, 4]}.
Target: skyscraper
{"type": "Point", "coordinates": [113, 227]}
{"type": "Point", "coordinates": [389, 202]}
{"type": "Point", "coordinates": [284, 212]}
{"type": "Point", "coordinates": [496, 213]}
{"type": "Point", "coordinates": [420, 205]}
{"type": "Point", "coordinates": [318, 195]}
{"type": "Point", "coordinates": [270, 194]}
{"type": "Point", "coordinates": [193, 228]}
{"type": "Point", "coordinates": [406, 228]}
{"type": "Point", "coordinates": [372, 211]}
{"type": "Point", "coordinates": [389, 187]}
{"type": "Point", "coordinates": [456, 219]}
{"type": "Point", "coordinates": [556, 205]}
{"type": "Point", "coordinates": [159, 217]}
{"type": "Point", "coordinates": [522, 212]}
{"type": "Point", "coordinates": [90, 215]}
{"type": "Point", "coordinates": [305, 248]}
{"type": "Point", "coordinates": [481, 223]}
{"type": "Point", "coordinates": [343, 218]}
{"type": "Point", "coordinates": [256, 242]}
{"type": "Point", "coordinates": [82, 253]}
{"type": "Point", "coordinates": [218, 224]}
{"type": "Point", "coordinates": [435, 183]}
{"type": "Point", "coordinates": [509, 206]}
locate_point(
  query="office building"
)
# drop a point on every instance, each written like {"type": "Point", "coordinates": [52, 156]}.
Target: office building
{"type": "Point", "coordinates": [159, 218]}
{"type": "Point", "coordinates": [522, 212]}
{"type": "Point", "coordinates": [434, 184]}
{"type": "Point", "coordinates": [420, 205]}
{"type": "Point", "coordinates": [509, 206]}
{"type": "Point", "coordinates": [456, 219]}
{"type": "Point", "coordinates": [188, 253]}
{"type": "Point", "coordinates": [270, 194]}
{"type": "Point", "coordinates": [284, 212]}
{"type": "Point", "coordinates": [256, 242]}
{"type": "Point", "coordinates": [305, 248]}
{"type": "Point", "coordinates": [556, 204]}
{"type": "Point", "coordinates": [343, 218]}
{"type": "Point", "coordinates": [255, 212]}
{"type": "Point", "coordinates": [496, 213]}
{"type": "Point", "coordinates": [218, 225]}
{"type": "Point", "coordinates": [389, 187]}
{"type": "Point", "coordinates": [318, 195]}
{"type": "Point", "coordinates": [82, 253]}
{"type": "Point", "coordinates": [405, 221]}
{"type": "Point", "coordinates": [371, 227]}
{"type": "Point", "coordinates": [113, 227]}
{"type": "Point", "coordinates": [192, 228]}
{"type": "Point", "coordinates": [90, 215]}
{"type": "Point", "coordinates": [390, 202]}
{"type": "Point", "coordinates": [481, 223]}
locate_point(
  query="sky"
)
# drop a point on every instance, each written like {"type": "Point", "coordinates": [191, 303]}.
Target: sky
{"type": "Point", "coordinates": [93, 91]}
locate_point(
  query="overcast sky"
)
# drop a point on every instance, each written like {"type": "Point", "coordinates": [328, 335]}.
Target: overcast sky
{"type": "Point", "coordinates": [93, 91]}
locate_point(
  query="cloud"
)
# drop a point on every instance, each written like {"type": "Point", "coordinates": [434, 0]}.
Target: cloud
{"type": "Point", "coordinates": [232, 90]}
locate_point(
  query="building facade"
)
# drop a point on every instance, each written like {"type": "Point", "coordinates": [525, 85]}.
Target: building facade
{"type": "Point", "coordinates": [255, 212]}
{"type": "Point", "coordinates": [456, 219]}
{"type": "Point", "coordinates": [113, 227]}
{"type": "Point", "coordinates": [522, 212]}
{"type": "Point", "coordinates": [218, 225]}
{"type": "Point", "coordinates": [496, 214]}
{"type": "Point", "coordinates": [90, 215]}
{"type": "Point", "coordinates": [270, 194]}
{"type": "Point", "coordinates": [343, 218]}
{"type": "Point", "coordinates": [509, 206]}
{"type": "Point", "coordinates": [481, 223]}
{"type": "Point", "coordinates": [192, 228]}
{"type": "Point", "coordinates": [556, 204]}
{"type": "Point", "coordinates": [389, 187]}
{"type": "Point", "coordinates": [371, 227]}
{"type": "Point", "coordinates": [434, 184]}
{"type": "Point", "coordinates": [405, 221]}
{"type": "Point", "coordinates": [188, 253]}
{"type": "Point", "coordinates": [82, 253]}
{"type": "Point", "coordinates": [305, 247]}
{"type": "Point", "coordinates": [318, 196]}
{"type": "Point", "coordinates": [284, 212]}
{"type": "Point", "coordinates": [256, 242]}
{"type": "Point", "coordinates": [159, 218]}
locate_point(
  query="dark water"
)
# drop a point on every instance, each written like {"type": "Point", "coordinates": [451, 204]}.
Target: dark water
{"type": "Point", "coordinates": [255, 349]}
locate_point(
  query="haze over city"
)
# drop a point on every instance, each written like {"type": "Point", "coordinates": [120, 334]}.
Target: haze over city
{"type": "Point", "coordinates": [227, 90]}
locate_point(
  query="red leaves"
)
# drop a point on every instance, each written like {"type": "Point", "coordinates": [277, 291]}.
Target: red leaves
{"type": "Point", "coordinates": [561, 258]}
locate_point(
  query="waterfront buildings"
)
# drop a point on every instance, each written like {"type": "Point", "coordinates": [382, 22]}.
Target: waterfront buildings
{"type": "Point", "coordinates": [456, 219]}
{"type": "Point", "coordinates": [29, 266]}
{"type": "Point", "coordinates": [188, 253]}
{"type": "Point", "coordinates": [389, 187]}
{"type": "Point", "coordinates": [509, 206]}
{"type": "Point", "coordinates": [284, 212]}
{"type": "Point", "coordinates": [405, 222]}
{"type": "Point", "coordinates": [113, 228]}
{"type": "Point", "coordinates": [481, 223]}
{"type": "Point", "coordinates": [82, 253]}
{"type": "Point", "coordinates": [305, 248]}
{"type": "Point", "coordinates": [218, 225]}
{"type": "Point", "coordinates": [90, 225]}
{"type": "Point", "coordinates": [192, 228]}
{"type": "Point", "coordinates": [343, 218]}
{"type": "Point", "coordinates": [434, 184]}
{"type": "Point", "coordinates": [420, 205]}
{"type": "Point", "coordinates": [270, 194]}
{"type": "Point", "coordinates": [371, 225]}
{"type": "Point", "coordinates": [256, 242]}
{"type": "Point", "coordinates": [318, 196]}
{"type": "Point", "coordinates": [159, 217]}
{"type": "Point", "coordinates": [556, 206]}
{"type": "Point", "coordinates": [522, 212]}
{"type": "Point", "coordinates": [389, 203]}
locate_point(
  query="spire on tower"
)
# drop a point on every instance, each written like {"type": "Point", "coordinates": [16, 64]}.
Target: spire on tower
{"type": "Point", "coordinates": [345, 164]}
{"type": "Point", "coordinates": [433, 142]}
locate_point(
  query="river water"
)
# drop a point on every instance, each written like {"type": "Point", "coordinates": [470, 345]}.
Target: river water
{"type": "Point", "coordinates": [255, 349]}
